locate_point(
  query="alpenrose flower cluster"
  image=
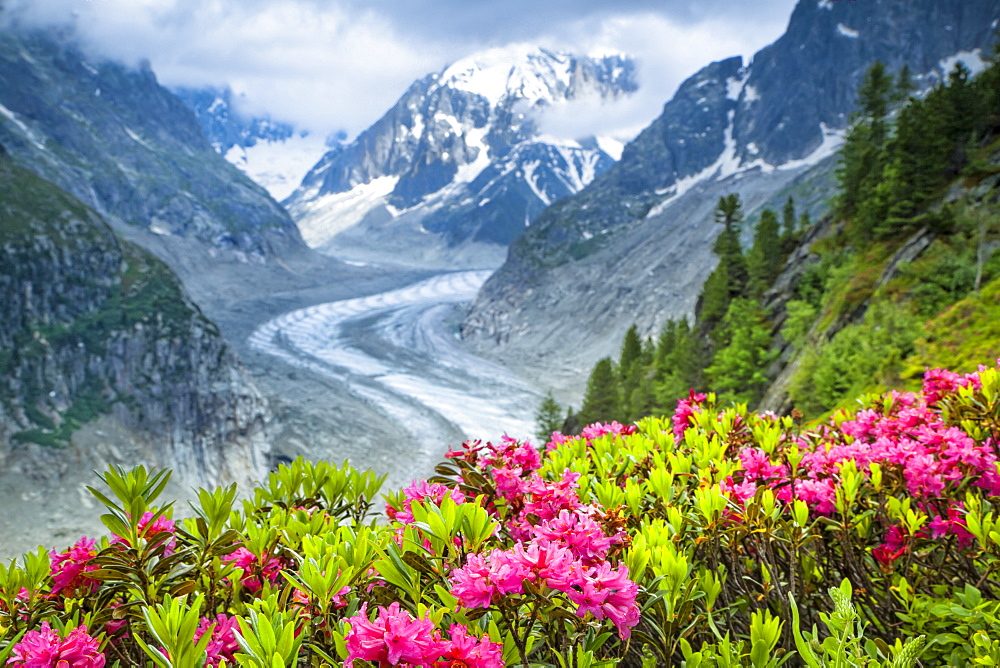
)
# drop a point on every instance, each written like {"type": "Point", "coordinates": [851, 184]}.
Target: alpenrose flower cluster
{"type": "Point", "coordinates": [604, 592]}
{"type": "Point", "coordinates": [538, 565]}
{"type": "Point", "coordinates": [223, 644]}
{"type": "Point", "coordinates": [47, 649]}
{"type": "Point", "coordinates": [903, 434]}
{"type": "Point", "coordinates": [255, 568]}
{"type": "Point", "coordinates": [69, 568]}
{"type": "Point", "coordinates": [395, 638]}
{"type": "Point", "coordinates": [559, 542]}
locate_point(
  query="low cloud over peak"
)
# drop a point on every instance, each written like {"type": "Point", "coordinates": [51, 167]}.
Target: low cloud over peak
{"type": "Point", "coordinates": [337, 65]}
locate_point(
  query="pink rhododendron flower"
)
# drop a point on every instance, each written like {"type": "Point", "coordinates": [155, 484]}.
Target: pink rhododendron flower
{"type": "Point", "coordinates": [580, 533]}
{"type": "Point", "coordinates": [513, 453]}
{"type": "Point", "coordinates": [469, 651]}
{"type": "Point", "coordinates": [545, 500]}
{"type": "Point", "coordinates": [757, 465]}
{"type": "Point", "coordinates": [952, 525]}
{"type": "Point", "coordinates": [548, 563]}
{"type": "Point", "coordinates": [393, 638]}
{"type": "Point", "coordinates": [939, 383]}
{"type": "Point", "coordinates": [507, 481]}
{"type": "Point", "coordinates": [46, 649]}
{"type": "Point", "coordinates": [149, 527]}
{"type": "Point", "coordinates": [886, 554]}
{"type": "Point", "coordinates": [599, 429]}
{"type": "Point", "coordinates": [685, 409]}
{"type": "Point", "coordinates": [418, 491]}
{"type": "Point", "coordinates": [610, 594]}
{"type": "Point", "coordinates": [223, 644]}
{"type": "Point", "coordinates": [484, 578]}
{"type": "Point", "coordinates": [557, 439]}
{"type": "Point", "coordinates": [253, 570]}
{"type": "Point", "coordinates": [739, 492]}
{"type": "Point", "coordinates": [69, 569]}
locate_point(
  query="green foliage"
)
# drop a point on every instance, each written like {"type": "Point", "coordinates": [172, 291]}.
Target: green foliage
{"type": "Point", "coordinates": [549, 418]}
{"type": "Point", "coordinates": [863, 155]}
{"type": "Point", "coordinates": [603, 401]}
{"type": "Point", "coordinates": [729, 279]}
{"type": "Point", "coordinates": [889, 179]}
{"type": "Point", "coordinates": [949, 621]}
{"type": "Point", "coordinates": [799, 319]}
{"type": "Point", "coordinates": [844, 643]}
{"type": "Point", "coordinates": [738, 367]}
{"type": "Point", "coordinates": [173, 624]}
{"type": "Point", "coordinates": [859, 357]}
{"type": "Point", "coordinates": [765, 258]}
{"type": "Point", "coordinates": [965, 332]}
{"type": "Point", "coordinates": [269, 639]}
{"type": "Point", "coordinates": [736, 529]}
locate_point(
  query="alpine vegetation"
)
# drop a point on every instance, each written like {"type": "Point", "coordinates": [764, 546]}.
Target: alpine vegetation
{"type": "Point", "coordinates": [715, 537]}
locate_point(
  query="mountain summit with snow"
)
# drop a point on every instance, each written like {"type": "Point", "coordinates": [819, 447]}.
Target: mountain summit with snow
{"type": "Point", "coordinates": [273, 153]}
{"type": "Point", "coordinates": [459, 166]}
{"type": "Point", "coordinates": [635, 245]}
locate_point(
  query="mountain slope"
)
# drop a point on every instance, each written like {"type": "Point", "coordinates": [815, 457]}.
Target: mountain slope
{"type": "Point", "coordinates": [459, 160]}
{"type": "Point", "coordinates": [125, 146]}
{"type": "Point", "coordinates": [273, 154]}
{"type": "Point", "coordinates": [91, 325]}
{"type": "Point", "coordinates": [638, 239]}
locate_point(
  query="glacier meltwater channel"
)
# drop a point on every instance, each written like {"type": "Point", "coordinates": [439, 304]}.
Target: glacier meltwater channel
{"type": "Point", "coordinates": [395, 351]}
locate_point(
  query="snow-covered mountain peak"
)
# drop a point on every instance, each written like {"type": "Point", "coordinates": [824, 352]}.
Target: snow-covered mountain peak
{"type": "Point", "coordinates": [535, 74]}
{"type": "Point", "coordinates": [464, 152]}
{"type": "Point", "coordinates": [521, 71]}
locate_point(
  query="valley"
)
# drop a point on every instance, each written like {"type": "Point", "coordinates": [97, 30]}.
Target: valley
{"type": "Point", "coordinates": [397, 353]}
{"type": "Point", "coordinates": [428, 280]}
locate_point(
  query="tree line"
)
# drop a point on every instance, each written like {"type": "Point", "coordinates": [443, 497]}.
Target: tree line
{"type": "Point", "coordinates": [901, 152]}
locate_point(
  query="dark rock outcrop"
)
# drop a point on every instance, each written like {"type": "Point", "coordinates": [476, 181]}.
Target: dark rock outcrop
{"type": "Point", "coordinates": [91, 325]}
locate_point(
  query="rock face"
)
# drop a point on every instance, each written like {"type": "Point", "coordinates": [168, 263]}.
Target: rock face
{"type": "Point", "coordinates": [129, 149]}
{"type": "Point", "coordinates": [91, 325]}
{"type": "Point", "coordinates": [459, 161]}
{"type": "Point", "coordinates": [634, 245]}
{"type": "Point", "coordinates": [223, 125]}
{"type": "Point", "coordinates": [275, 155]}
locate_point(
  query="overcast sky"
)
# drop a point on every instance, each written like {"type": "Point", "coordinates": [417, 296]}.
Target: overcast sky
{"type": "Point", "coordinates": [338, 65]}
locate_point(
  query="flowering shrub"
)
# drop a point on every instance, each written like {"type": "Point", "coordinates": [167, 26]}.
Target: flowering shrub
{"type": "Point", "coordinates": [716, 537]}
{"type": "Point", "coordinates": [45, 648]}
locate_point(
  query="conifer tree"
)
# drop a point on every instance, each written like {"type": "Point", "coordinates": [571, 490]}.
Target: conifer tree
{"type": "Point", "coordinates": [664, 346]}
{"type": "Point", "coordinates": [864, 153]}
{"type": "Point", "coordinates": [904, 85]}
{"type": "Point", "coordinates": [804, 222]}
{"type": "Point", "coordinates": [765, 256]}
{"type": "Point", "coordinates": [788, 226]}
{"type": "Point", "coordinates": [681, 368]}
{"type": "Point", "coordinates": [642, 398]}
{"type": "Point", "coordinates": [630, 369]}
{"type": "Point", "coordinates": [602, 402]}
{"type": "Point", "coordinates": [739, 368]}
{"type": "Point", "coordinates": [631, 353]}
{"type": "Point", "coordinates": [549, 418]}
{"type": "Point", "coordinates": [729, 278]}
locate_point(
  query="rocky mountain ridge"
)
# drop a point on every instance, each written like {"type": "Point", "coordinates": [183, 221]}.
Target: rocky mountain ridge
{"type": "Point", "coordinates": [129, 149]}
{"type": "Point", "coordinates": [635, 245]}
{"type": "Point", "coordinates": [459, 166]}
{"type": "Point", "coordinates": [274, 154]}
{"type": "Point", "coordinates": [93, 325]}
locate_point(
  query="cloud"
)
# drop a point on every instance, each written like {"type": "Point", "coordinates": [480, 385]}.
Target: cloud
{"type": "Point", "coordinates": [330, 65]}
{"type": "Point", "coordinates": [668, 50]}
